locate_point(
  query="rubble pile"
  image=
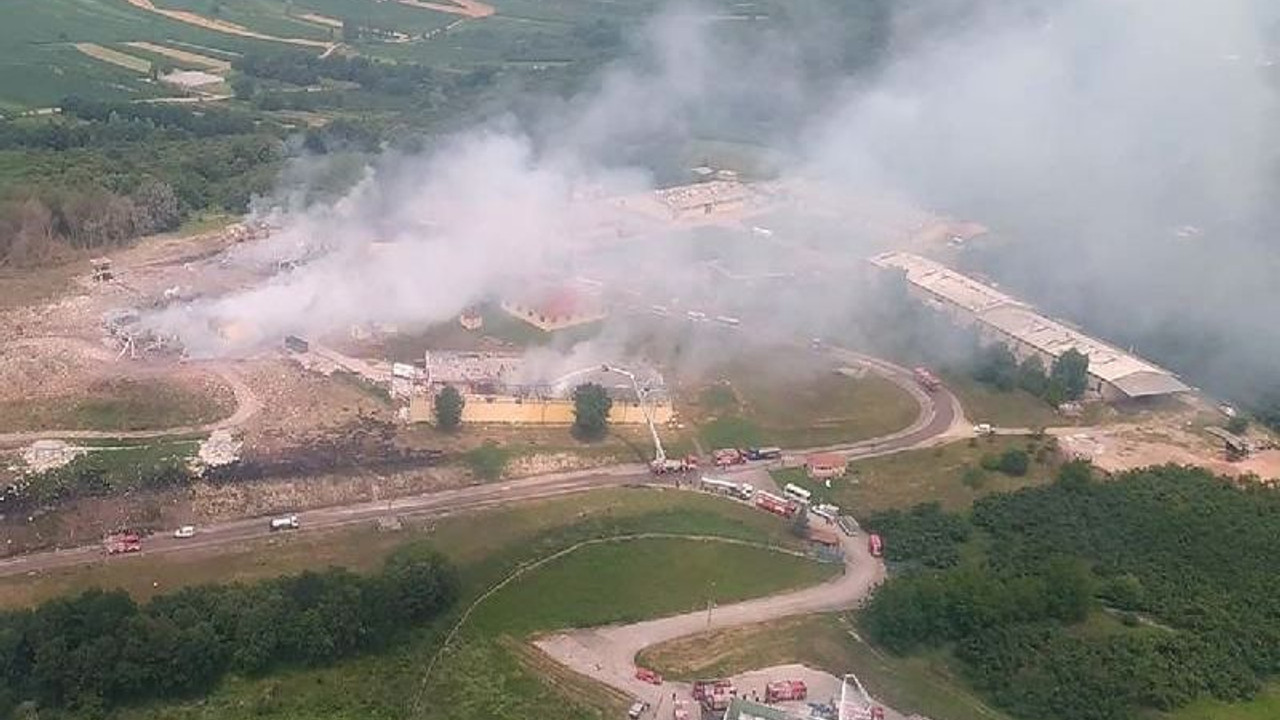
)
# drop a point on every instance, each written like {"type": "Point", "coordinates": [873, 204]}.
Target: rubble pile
{"type": "Point", "coordinates": [220, 449]}
{"type": "Point", "coordinates": [44, 455]}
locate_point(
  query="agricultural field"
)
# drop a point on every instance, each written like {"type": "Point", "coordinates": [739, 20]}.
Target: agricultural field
{"type": "Point", "coordinates": [40, 64]}
{"type": "Point", "coordinates": [951, 475]}
{"type": "Point", "coordinates": [490, 652]}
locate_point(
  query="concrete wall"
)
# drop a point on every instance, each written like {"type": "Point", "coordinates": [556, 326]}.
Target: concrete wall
{"type": "Point", "coordinates": [519, 411]}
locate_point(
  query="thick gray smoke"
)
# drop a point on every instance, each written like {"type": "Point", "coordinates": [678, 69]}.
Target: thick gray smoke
{"type": "Point", "coordinates": [1122, 150]}
{"type": "Point", "coordinates": [1125, 152]}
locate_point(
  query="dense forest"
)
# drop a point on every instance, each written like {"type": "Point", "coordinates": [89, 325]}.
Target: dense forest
{"type": "Point", "coordinates": [1092, 600]}
{"type": "Point", "coordinates": [101, 649]}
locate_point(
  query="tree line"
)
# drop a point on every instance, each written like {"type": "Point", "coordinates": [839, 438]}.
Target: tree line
{"type": "Point", "coordinates": [101, 649]}
{"type": "Point", "coordinates": [1177, 572]}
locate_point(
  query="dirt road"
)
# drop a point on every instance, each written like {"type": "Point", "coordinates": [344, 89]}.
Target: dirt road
{"type": "Point", "coordinates": [247, 405]}
{"type": "Point", "coordinates": [938, 412]}
{"type": "Point", "coordinates": [608, 654]}
{"type": "Point", "coordinates": [444, 502]}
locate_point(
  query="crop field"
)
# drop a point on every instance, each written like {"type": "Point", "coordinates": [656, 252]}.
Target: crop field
{"type": "Point", "coordinates": [40, 65]}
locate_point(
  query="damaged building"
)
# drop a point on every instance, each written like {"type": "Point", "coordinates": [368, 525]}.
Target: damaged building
{"type": "Point", "coordinates": [494, 391]}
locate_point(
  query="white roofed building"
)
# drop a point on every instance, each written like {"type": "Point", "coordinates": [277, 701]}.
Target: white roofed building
{"type": "Point", "coordinates": [1113, 373]}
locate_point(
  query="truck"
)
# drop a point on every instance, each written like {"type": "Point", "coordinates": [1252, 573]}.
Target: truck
{"type": "Point", "coordinates": [124, 542]}
{"type": "Point", "coordinates": [926, 379]}
{"type": "Point", "coordinates": [648, 676]}
{"type": "Point", "coordinates": [293, 343]}
{"type": "Point", "coordinates": [785, 691]}
{"type": "Point", "coordinates": [769, 502]}
{"type": "Point", "coordinates": [667, 466]}
{"type": "Point", "coordinates": [714, 695]}
{"type": "Point", "coordinates": [742, 491]}
{"type": "Point", "coordinates": [287, 522]}
{"type": "Point", "coordinates": [875, 545]}
{"type": "Point", "coordinates": [725, 457]}
{"type": "Point", "coordinates": [764, 453]}
{"type": "Point", "coordinates": [828, 512]}
{"type": "Point", "coordinates": [637, 709]}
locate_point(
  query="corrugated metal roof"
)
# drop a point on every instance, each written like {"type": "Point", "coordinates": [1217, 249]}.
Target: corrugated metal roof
{"type": "Point", "coordinates": [1132, 375]}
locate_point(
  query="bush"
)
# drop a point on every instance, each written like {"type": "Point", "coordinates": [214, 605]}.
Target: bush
{"type": "Point", "coordinates": [973, 477]}
{"type": "Point", "coordinates": [1237, 425]}
{"type": "Point", "coordinates": [1014, 462]}
{"type": "Point", "coordinates": [488, 461]}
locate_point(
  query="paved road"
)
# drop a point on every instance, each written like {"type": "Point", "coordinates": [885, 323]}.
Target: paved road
{"type": "Point", "coordinates": [938, 413]}
{"type": "Point", "coordinates": [608, 654]}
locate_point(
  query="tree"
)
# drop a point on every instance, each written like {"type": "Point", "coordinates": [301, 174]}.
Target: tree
{"type": "Point", "coordinates": [1237, 425]}
{"type": "Point", "coordinates": [488, 461]}
{"type": "Point", "coordinates": [448, 408]}
{"type": "Point", "coordinates": [997, 366]}
{"type": "Point", "coordinates": [1071, 371]}
{"type": "Point", "coordinates": [1032, 377]}
{"type": "Point", "coordinates": [1015, 462]}
{"type": "Point", "coordinates": [243, 87]}
{"type": "Point", "coordinates": [591, 406]}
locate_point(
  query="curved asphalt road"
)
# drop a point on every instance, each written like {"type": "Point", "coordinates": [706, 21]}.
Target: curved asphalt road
{"type": "Point", "coordinates": [939, 411]}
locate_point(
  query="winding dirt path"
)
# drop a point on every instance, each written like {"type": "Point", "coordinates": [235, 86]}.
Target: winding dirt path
{"type": "Point", "coordinates": [222, 26]}
{"type": "Point", "coordinates": [247, 405]}
{"type": "Point", "coordinates": [607, 654]}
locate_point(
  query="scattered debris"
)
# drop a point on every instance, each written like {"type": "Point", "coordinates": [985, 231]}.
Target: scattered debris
{"type": "Point", "coordinates": [220, 449]}
{"type": "Point", "coordinates": [44, 455]}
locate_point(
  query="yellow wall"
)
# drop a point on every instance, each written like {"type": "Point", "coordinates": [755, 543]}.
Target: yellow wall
{"type": "Point", "coordinates": [507, 410]}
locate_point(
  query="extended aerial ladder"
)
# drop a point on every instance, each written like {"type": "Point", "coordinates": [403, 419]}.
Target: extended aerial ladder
{"type": "Point", "coordinates": [660, 463]}
{"type": "Point", "coordinates": [855, 703]}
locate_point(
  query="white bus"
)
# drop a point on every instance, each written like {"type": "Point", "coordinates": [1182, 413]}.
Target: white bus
{"type": "Point", "coordinates": [797, 492]}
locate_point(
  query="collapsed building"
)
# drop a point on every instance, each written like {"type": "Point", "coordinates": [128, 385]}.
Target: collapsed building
{"type": "Point", "coordinates": [1113, 373]}
{"type": "Point", "coordinates": [551, 307]}
{"type": "Point", "coordinates": [495, 390]}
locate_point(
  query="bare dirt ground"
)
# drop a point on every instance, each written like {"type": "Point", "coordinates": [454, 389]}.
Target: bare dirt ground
{"type": "Point", "coordinates": [1125, 447]}
{"type": "Point", "coordinates": [221, 26]}
{"type": "Point", "coordinates": [608, 654]}
{"type": "Point", "coordinates": [183, 55]}
{"type": "Point", "coordinates": [465, 8]}
{"type": "Point", "coordinates": [107, 55]}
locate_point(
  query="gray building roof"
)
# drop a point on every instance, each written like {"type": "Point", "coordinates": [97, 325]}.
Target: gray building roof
{"type": "Point", "coordinates": [1127, 372]}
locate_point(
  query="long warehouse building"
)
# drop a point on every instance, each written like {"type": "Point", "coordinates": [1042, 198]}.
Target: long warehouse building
{"type": "Point", "coordinates": [1113, 373]}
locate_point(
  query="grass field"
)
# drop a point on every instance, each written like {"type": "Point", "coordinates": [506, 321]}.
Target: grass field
{"type": "Point", "coordinates": [765, 404]}
{"type": "Point", "coordinates": [1266, 706]}
{"type": "Point", "coordinates": [117, 405]}
{"type": "Point", "coordinates": [1016, 408]}
{"type": "Point", "coordinates": [925, 685]}
{"type": "Point", "coordinates": [485, 675]}
{"type": "Point", "coordinates": [631, 581]}
{"type": "Point", "coordinates": [928, 475]}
